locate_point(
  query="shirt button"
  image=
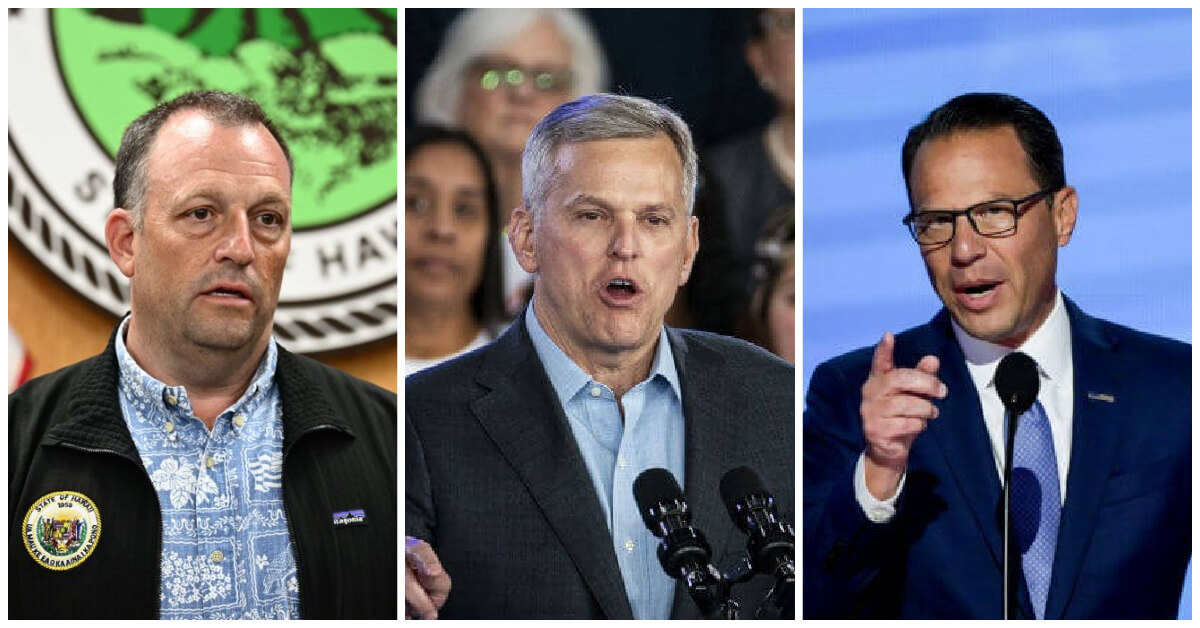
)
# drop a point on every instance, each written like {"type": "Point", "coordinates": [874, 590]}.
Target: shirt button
{"type": "Point", "coordinates": [210, 462]}
{"type": "Point", "coordinates": [169, 427]}
{"type": "Point", "coordinates": [217, 556]}
{"type": "Point", "coordinates": [630, 545]}
{"type": "Point", "coordinates": [239, 419]}
{"type": "Point", "coordinates": [622, 462]}
{"type": "Point", "coordinates": [595, 391]}
{"type": "Point", "coordinates": [171, 400]}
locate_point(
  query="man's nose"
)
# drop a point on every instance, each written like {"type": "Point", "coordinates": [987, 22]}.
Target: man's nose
{"type": "Point", "coordinates": [625, 243]}
{"type": "Point", "coordinates": [236, 243]}
{"type": "Point", "coordinates": [967, 245]}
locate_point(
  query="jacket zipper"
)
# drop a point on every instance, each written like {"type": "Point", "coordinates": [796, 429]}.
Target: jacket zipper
{"type": "Point", "coordinates": [158, 580]}
{"type": "Point", "coordinates": [287, 517]}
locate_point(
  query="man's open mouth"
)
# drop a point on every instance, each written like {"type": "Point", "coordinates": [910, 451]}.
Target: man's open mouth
{"type": "Point", "coordinates": [621, 288]}
{"type": "Point", "coordinates": [979, 290]}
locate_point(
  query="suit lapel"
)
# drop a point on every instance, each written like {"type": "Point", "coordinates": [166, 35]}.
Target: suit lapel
{"type": "Point", "coordinates": [960, 431]}
{"type": "Point", "coordinates": [545, 456]}
{"type": "Point", "coordinates": [711, 447]}
{"type": "Point", "coordinates": [1093, 444]}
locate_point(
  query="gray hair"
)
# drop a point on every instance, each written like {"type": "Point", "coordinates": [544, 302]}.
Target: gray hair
{"type": "Point", "coordinates": [131, 179]}
{"type": "Point", "coordinates": [601, 117]}
{"type": "Point", "coordinates": [477, 32]}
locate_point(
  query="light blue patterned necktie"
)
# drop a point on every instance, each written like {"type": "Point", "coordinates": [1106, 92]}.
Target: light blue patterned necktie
{"type": "Point", "coordinates": [1036, 506]}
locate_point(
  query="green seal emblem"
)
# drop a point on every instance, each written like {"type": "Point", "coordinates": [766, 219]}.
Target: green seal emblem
{"type": "Point", "coordinates": [327, 77]}
{"type": "Point", "coordinates": [61, 530]}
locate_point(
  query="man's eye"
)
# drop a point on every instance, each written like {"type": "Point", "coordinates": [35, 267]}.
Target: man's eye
{"type": "Point", "coordinates": [201, 213]}
{"type": "Point", "coordinates": [658, 220]}
{"type": "Point", "coordinates": [992, 210]}
{"type": "Point", "coordinates": [269, 220]}
{"type": "Point", "coordinates": [590, 215]}
{"type": "Point", "coordinates": [930, 220]}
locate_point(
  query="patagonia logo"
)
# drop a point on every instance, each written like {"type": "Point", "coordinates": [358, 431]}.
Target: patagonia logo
{"type": "Point", "coordinates": [1101, 397]}
{"type": "Point", "coordinates": [349, 518]}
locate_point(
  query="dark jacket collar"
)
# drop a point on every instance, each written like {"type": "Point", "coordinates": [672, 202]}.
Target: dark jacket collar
{"type": "Point", "coordinates": [547, 458]}
{"type": "Point", "coordinates": [94, 421]}
{"type": "Point", "coordinates": [1095, 432]}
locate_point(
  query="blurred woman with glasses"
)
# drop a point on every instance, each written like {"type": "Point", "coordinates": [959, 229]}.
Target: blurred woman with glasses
{"type": "Point", "coordinates": [496, 74]}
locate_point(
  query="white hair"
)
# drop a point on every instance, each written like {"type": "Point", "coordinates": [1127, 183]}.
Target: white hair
{"type": "Point", "coordinates": [477, 32]}
{"type": "Point", "coordinates": [601, 117]}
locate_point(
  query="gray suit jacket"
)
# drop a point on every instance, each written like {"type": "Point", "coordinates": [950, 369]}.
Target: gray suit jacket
{"type": "Point", "coordinates": [496, 484]}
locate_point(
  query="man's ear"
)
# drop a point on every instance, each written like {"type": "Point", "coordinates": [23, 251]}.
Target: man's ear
{"type": "Point", "coordinates": [1066, 210]}
{"type": "Point", "coordinates": [522, 238]}
{"type": "Point", "coordinates": [118, 234]}
{"type": "Point", "coordinates": [693, 245]}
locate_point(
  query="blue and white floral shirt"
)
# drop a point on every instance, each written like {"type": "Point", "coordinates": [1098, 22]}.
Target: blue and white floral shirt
{"type": "Point", "coordinates": [226, 550]}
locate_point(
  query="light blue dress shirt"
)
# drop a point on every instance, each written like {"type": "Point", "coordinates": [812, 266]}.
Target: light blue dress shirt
{"type": "Point", "coordinates": [616, 452]}
{"type": "Point", "coordinates": [226, 547]}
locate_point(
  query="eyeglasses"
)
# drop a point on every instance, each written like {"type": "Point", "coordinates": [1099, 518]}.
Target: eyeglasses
{"type": "Point", "coordinates": [493, 75]}
{"type": "Point", "coordinates": [990, 218]}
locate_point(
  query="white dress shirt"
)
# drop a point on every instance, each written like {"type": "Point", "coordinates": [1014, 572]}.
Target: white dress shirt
{"type": "Point", "coordinates": [1050, 347]}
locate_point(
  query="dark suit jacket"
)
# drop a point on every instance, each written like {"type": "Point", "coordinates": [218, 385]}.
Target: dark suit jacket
{"type": "Point", "coordinates": [496, 483]}
{"type": "Point", "coordinates": [1125, 533]}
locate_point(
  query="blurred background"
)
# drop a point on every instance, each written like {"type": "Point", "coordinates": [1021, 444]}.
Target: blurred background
{"type": "Point", "coordinates": [477, 81]}
{"type": "Point", "coordinates": [327, 77]}
{"type": "Point", "coordinates": [1115, 83]}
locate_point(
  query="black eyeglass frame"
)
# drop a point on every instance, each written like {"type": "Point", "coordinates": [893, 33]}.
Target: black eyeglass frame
{"type": "Point", "coordinates": [1016, 210]}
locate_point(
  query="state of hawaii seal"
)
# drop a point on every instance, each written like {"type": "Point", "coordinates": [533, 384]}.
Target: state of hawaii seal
{"type": "Point", "coordinates": [327, 77]}
{"type": "Point", "coordinates": [61, 529]}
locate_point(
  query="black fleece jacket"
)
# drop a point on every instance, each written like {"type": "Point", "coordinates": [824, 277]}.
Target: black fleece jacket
{"type": "Point", "coordinates": [66, 433]}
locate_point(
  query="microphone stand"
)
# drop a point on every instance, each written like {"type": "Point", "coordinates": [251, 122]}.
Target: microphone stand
{"type": "Point", "coordinates": [1010, 582]}
{"type": "Point", "coordinates": [782, 595]}
{"type": "Point", "coordinates": [1017, 383]}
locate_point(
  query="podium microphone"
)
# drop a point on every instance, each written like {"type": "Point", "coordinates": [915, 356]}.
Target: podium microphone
{"type": "Point", "coordinates": [771, 541]}
{"type": "Point", "coordinates": [1017, 383]}
{"type": "Point", "coordinates": [684, 552]}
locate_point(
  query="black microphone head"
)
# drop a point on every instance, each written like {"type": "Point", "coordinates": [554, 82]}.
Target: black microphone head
{"type": "Point", "coordinates": [651, 488]}
{"type": "Point", "coordinates": [1017, 382]}
{"type": "Point", "coordinates": [736, 485]}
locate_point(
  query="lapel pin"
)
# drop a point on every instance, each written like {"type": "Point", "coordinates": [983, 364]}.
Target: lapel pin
{"type": "Point", "coordinates": [1101, 397]}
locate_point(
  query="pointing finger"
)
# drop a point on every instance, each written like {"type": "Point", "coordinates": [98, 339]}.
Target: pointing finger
{"type": "Point", "coordinates": [882, 361]}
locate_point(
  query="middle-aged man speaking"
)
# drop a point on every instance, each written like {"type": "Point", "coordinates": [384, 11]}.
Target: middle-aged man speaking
{"type": "Point", "coordinates": [194, 469]}
{"type": "Point", "coordinates": [521, 457]}
{"type": "Point", "coordinates": [904, 443]}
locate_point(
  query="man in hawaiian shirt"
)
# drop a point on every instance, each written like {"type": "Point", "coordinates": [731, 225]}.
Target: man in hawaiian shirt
{"type": "Point", "coordinates": [208, 470]}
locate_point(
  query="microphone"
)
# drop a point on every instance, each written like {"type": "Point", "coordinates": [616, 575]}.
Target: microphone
{"type": "Point", "coordinates": [771, 541]}
{"type": "Point", "coordinates": [683, 551]}
{"type": "Point", "coordinates": [1017, 384]}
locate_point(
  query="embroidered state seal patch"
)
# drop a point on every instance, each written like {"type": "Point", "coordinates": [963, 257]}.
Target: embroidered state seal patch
{"type": "Point", "coordinates": [61, 529]}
